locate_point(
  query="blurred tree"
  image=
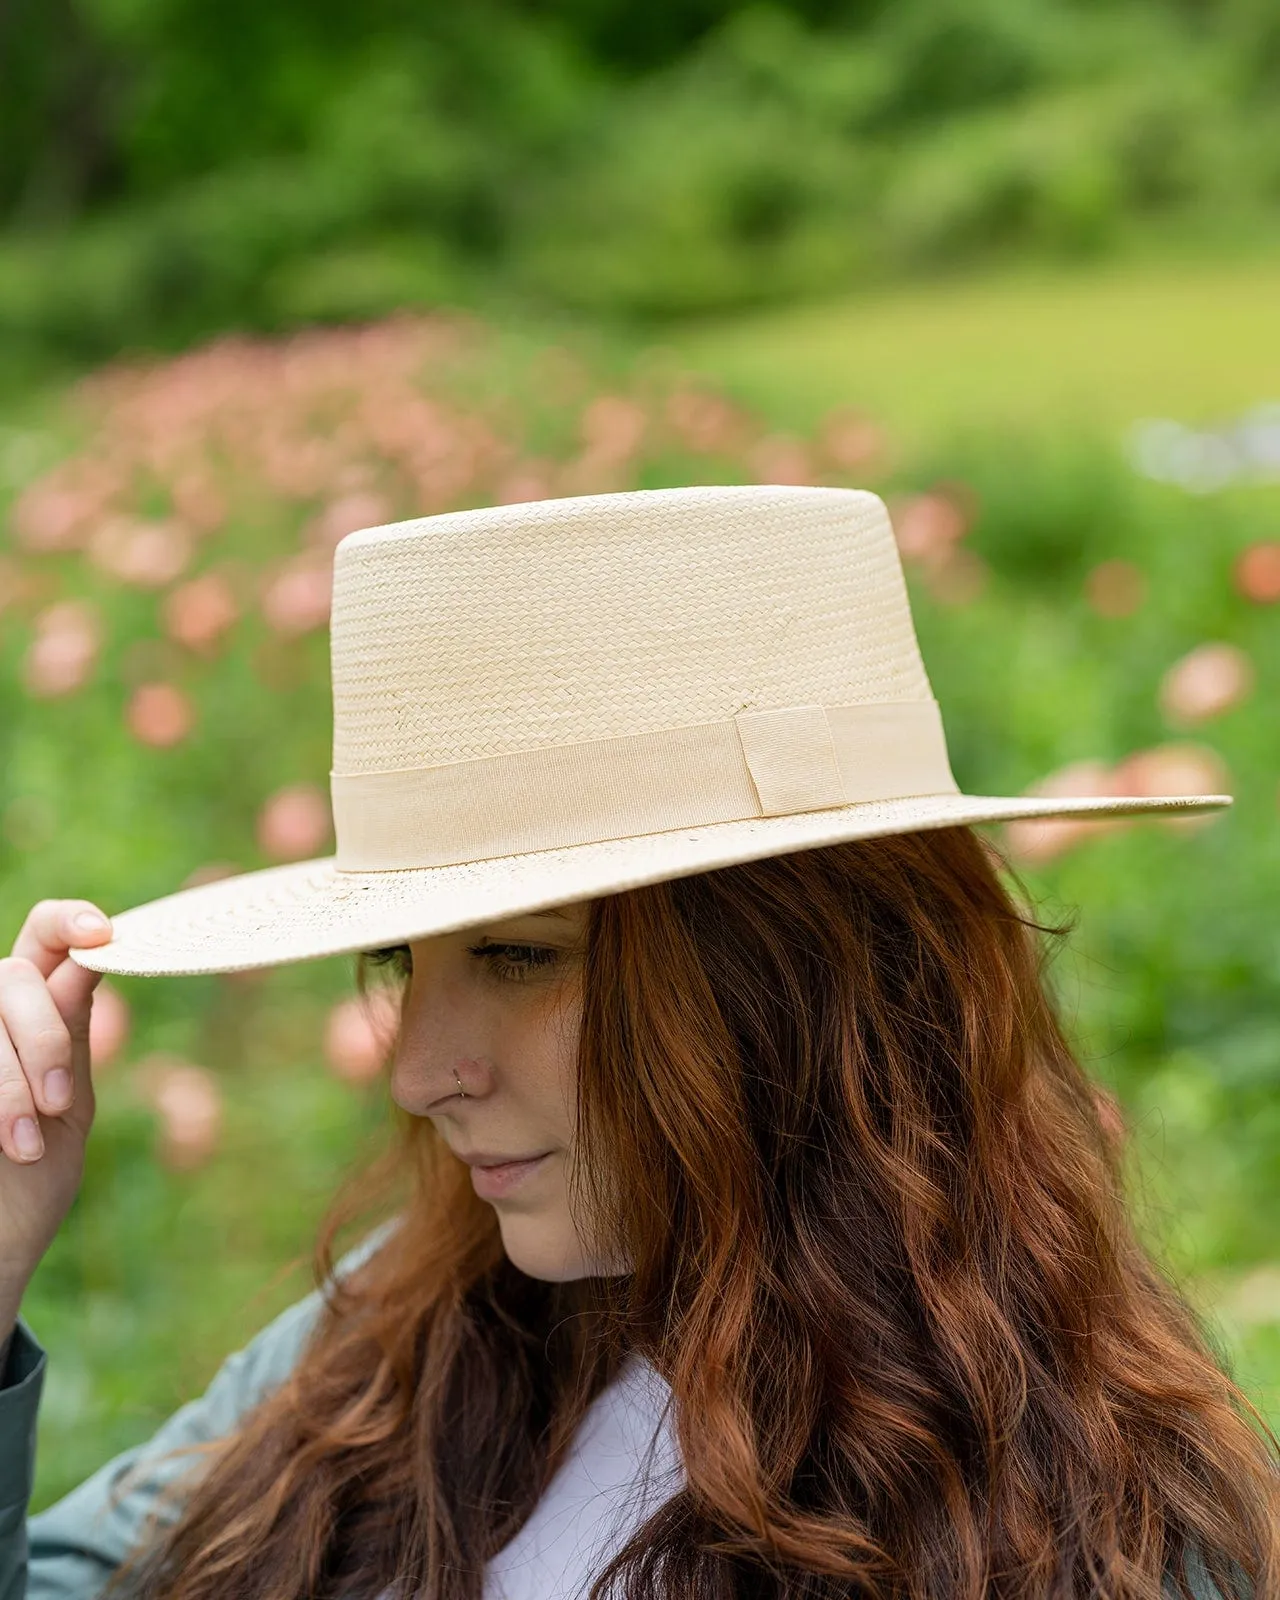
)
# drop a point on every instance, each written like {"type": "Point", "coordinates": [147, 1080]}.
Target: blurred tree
{"type": "Point", "coordinates": [637, 38]}
{"type": "Point", "coordinates": [170, 167]}
{"type": "Point", "coordinates": [58, 148]}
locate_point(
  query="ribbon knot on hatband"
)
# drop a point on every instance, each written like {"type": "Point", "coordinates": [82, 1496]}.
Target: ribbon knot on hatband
{"type": "Point", "coordinates": [753, 764]}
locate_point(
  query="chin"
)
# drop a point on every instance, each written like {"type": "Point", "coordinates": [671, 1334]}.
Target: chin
{"type": "Point", "coordinates": [543, 1254]}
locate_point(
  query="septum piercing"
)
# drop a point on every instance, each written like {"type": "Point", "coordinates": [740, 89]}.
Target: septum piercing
{"type": "Point", "coordinates": [458, 1081]}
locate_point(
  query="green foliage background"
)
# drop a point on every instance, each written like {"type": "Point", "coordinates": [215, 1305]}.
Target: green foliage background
{"type": "Point", "coordinates": [167, 167]}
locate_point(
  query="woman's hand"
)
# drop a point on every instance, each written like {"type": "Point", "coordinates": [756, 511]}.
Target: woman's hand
{"type": "Point", "coordinates": [45, 1087]}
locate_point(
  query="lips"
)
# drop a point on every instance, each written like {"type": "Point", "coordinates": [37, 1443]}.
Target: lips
{"type": "Point", "coordinates": [487, 1158]}
{"type": "Point", "coordinates": [492, 1182]}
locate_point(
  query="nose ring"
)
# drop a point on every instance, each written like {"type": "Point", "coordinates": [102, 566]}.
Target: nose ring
{"type": "Point", "coordinates": [458, 1081]}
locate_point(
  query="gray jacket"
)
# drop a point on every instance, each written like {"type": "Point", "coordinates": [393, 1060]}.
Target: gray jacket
{"type": "Point", "coordinates": [68, 1551]}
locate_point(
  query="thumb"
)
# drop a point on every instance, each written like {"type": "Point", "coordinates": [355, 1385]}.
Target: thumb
{"type": "Point", "coordinates": [72, 987]}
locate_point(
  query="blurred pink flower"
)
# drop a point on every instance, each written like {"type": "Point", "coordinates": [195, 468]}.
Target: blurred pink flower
{"type": "Point", "coordinates": [54, 512]}
{"type": "Point", "coordinates": [404, 425]}
{"type": "Point", "coordinates": [245, 977]}
{"type": "Point", "coordinates": [851, 440]}
{"type": "Point", "coordinates": [588, 474]}
{"type": "Point", "coordinates": [613, 428]}
{"type": "Point", "coordinates": [780, 459]}
{"type": "Point", "coordinates": [1177, 767]}
{"type": "Point", "coordinates": [528, 480]}
{"type": "Point", "coordinates": [1257, 573]}
{"type": "Point", "coordinates": [68, 616]}
{"type": "Point", "coordinates": [188, 1101]}
{"type": "Point", "coordinates": [956, 576]}
{"type": "Point", "coordinates": [198, 500]}
{"type": "Point", "coordinates": [295, 468]}
{"type": "Point", "coordinates": [210, 872]}
{"type": "Point", "coordinates": [1205, 682]}
{"type": "Point", "coordinates": [298, 597]}
{"type": "Point", "coordinates": [48, 516]}
{"type": "Point", "coordinates": [436, 485]}
{"type": "Point", "coordinates": [928, 525]}
{"type": "Point", "coordinates": [1033, 840]}
{"type": "Point", "coordinates": [1116, 588]}
{"type": "Point", "coordinates": [705, 422]}
{"type": "Point", "coordinates": [445, 456]}
{"type": "Point", "coordinates": [145, 554]}
{"type": "Point", "coordinates": [1181, 766]}
{"type": "Point", "coordinates": [358, 1035]}
{"type": "Point", "coordinates": [294, 823]}
{"type": "Point", "coordinates": [108, 1024]}
{"type": "Point", "coordinates": [159, 714]}
{"type": "Point", "coordinates": [363, 508]}
{"type": "Point", "coordinates": [198, 613]}
{"type": "Point", "coordinates": [1169, 769]}
{"type": "Point", "coordinates": [301, 416]}
{"type": "Point", "coordinates": [62, 655]}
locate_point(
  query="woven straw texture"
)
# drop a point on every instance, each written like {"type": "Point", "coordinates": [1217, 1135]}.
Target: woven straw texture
{"type": "Point", "coordinates": [567, 620]}
{"type": "Point", "coordinates": [482, 634]}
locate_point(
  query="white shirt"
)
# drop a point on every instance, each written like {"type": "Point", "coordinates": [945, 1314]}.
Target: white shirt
{"type": "Point", "coordinates": [624, 1462]}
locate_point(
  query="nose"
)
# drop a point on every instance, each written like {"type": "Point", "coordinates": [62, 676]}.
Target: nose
{"type": "Point", "coordinates": [440, 1049]}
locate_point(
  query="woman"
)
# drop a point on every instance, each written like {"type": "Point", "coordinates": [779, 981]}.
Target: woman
{"type": "Point", "coordinates": [814, 1275]}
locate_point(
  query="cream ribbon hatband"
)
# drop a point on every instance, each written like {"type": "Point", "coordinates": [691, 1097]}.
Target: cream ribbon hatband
{"type": "Point", "coordinates": [755, 764]}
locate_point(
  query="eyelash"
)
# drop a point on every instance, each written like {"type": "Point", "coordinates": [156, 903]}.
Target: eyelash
{"type": "Point", "coordinates": [532, 957]}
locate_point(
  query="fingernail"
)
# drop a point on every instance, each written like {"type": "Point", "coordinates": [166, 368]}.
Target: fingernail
{"type": "Point", "coordinates": [88, 921]}
{"type": "Point", "coordinates": [57, 1088]}
{"type": "Point", "coordinates": [26, 1136]}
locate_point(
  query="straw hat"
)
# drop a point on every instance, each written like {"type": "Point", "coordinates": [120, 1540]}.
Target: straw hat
{"type": "Point", "coordinates": [536, 704]}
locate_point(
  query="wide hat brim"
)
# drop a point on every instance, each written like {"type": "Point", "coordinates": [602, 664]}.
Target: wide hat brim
{"type": "Point", "coordinates": [308, 909]}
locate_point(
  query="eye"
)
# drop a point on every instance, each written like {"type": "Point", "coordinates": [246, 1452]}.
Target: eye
{"type": "Point", "coordinates": [514, 962]}
{"type": "Point", "coordinates": [397, 956]}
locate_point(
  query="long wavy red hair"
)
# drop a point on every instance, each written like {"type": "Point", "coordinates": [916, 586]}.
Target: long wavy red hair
{"type": "Point", "coordinates": [880, 1249]}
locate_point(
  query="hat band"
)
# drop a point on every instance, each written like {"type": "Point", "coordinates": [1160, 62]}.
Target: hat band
{"type": "Point", "coordinates": [756, 764]}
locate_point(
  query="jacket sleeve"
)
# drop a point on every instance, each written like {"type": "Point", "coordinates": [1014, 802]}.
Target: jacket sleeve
{"type": "Point", "coordinates": [69, 1550]}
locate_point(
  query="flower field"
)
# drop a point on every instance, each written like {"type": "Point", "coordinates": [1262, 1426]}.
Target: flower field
{"type": "Point", "coordinates": [165, 719]}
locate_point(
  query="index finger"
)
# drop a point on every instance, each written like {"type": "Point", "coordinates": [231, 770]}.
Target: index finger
{"type": "Point", "coordinates": [49, 932]}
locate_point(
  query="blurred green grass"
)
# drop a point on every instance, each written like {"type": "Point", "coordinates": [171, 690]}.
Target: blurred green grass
{"type": "Point", "coordinates": [1049, 348]}
{"type": "Point", "coordinates": [1018, 395]}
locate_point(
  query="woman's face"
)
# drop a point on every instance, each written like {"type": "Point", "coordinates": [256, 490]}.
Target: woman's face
{"type": "Point", "coordinates": [500, 1006]}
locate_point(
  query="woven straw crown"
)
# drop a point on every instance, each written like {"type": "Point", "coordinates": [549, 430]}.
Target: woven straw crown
{"type": "Point", "coordinates": [532, 676]}
{"type": "Point", "coordinates": [535, 704]}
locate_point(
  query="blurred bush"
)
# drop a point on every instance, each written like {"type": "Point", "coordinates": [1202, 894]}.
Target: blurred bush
{"type": "Point", "coordinates": [167, 170]}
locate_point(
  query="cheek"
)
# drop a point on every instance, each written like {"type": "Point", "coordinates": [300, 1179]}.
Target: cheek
{"type": "Point", "coordinates": [550, 1057]}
